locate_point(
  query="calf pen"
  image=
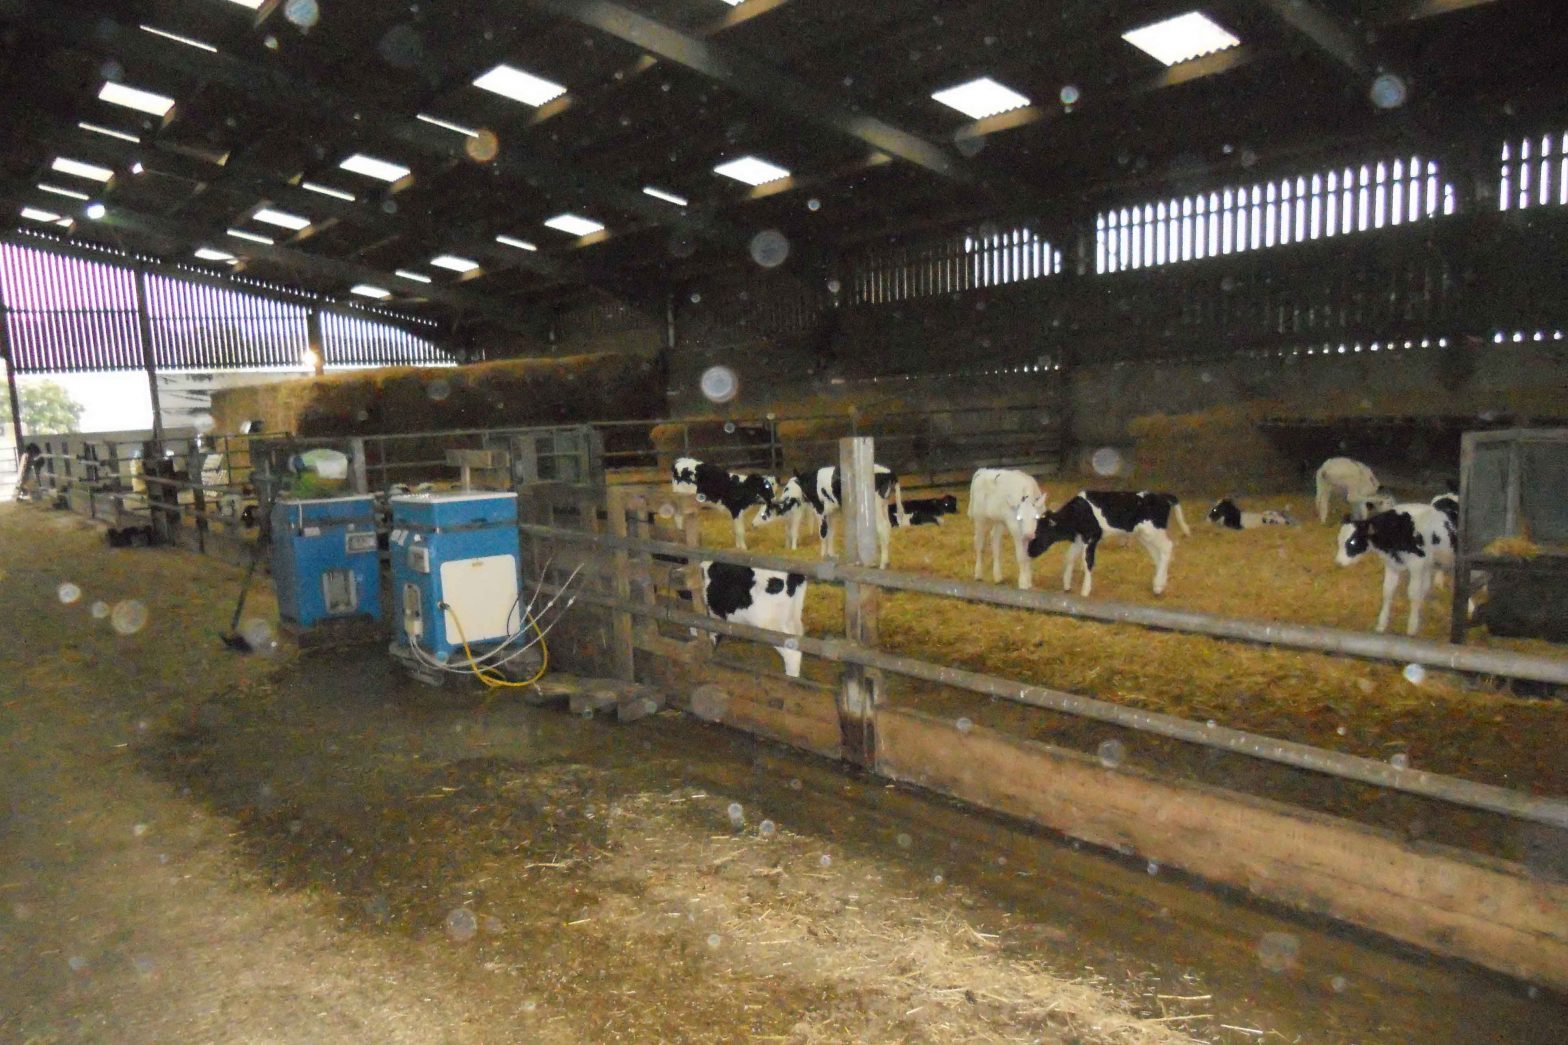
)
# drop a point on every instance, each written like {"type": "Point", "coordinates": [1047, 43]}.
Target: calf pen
{"type": "Point", "coordinates": [1496, 913]}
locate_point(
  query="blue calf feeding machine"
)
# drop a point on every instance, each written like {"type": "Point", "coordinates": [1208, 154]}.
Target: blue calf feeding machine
{"type": "Point", "coordinates": [324, 560]}
{"type": "Point", "coordinates": [454, 577]}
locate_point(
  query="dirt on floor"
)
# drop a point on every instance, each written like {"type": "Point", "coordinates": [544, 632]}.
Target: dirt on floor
{"type": "Point", "coordinates": [205, 845]}
{"type": "Point", "coordinates": [1429, 719]}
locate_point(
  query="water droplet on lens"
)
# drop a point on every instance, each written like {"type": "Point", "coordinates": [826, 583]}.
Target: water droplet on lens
{"type": "Point", "coordinates": [769, 248]}
{"type": "Point", "coordinates": [1111, 753]}
{"type": "Point", "coordinates": [1388, 91]}
{"type": "Point", "coordinates": [963, 725]}
{"type": "Point", "coordinates": [303, 13]}
{"type": "Point", "coordinates": [461, 925]}
{"type": "Point", "coordinates": [696, 298]}
{"type": "Point", "coordinates": [766, 829]}
{"type": "Point", "coordinates": [128, 617]}
{"type": "Point", "coordinates": [834, 286]}
{"type": "Point", "coordinates": [483, 146]}
{"type": "Point", "coordinates": [714, 940]}
{"type": "Point", "coordinates": [937, 878]}
{"type": "Point", "coordinates": [76, 962]}
{"type": "Point", "coordinates": [825, 860]}
{"type": "Point", "coordinates": [1399, 761]}
{"type": "Point", "coordinates": [795, 784]}
{"type": "Point", "coordinates": [438, 390]}
{"type": "Point", "coordinates": [203, 423]}
{"type": "Point", "coordinates": [813, 204]}
{"type": "Point", "coordinates": [1415, 674]}
{"type": "Point", "coordinates": [68, 593]}
{"type": "Point", "coordinates": [1153, 867]}
{"type": "Point", "coordinates": [729, 427]}
{"type": "Point", "coordinates": [1338, 983]}
{"type": "Point", "coordinates": [401, 46]}
{"type": "Point", "coordinates": [259, 635]}
{"type": "Point", "coordinates": [792, 644]}
{"type": "Point", "coordinates": [100, 610]}
{"type": "Point", "coordinates": [138, 830]}
{"type": "Point", "coordinates": [736, 814]}
{"type": "Point", "coordinates": [719, 384]}
{"type": "Point", "coordinates": [1277, 951]}
{"type": "Point", "coordinates": [1106, 461]}
{"type": "Point", "coordinates": [1070, 94]}
{"type": "Point", "coordinates": [904, 841]}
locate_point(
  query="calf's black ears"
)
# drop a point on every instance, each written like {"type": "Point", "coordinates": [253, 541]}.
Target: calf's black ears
{"type": "Point", "coordinates": [1348, 519]}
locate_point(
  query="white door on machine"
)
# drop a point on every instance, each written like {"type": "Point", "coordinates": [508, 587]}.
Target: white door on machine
{"type": "Point", "coordinates": [482, 594]}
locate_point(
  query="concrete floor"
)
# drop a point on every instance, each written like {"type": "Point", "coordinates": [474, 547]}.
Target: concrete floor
{"type": "Point", "coordinates": [198, 845]}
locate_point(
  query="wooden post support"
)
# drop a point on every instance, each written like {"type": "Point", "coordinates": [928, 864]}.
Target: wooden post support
{"type": "Point", "coordinates": [1459, 610]}
{"type": "Point", "coordinates": [621, 649]}
{"type": "Point", "coordinates": [859, 686]}
{"type": "Point", "coordinates": [149, 360]}
{"type": "Point", "coordinates": [316, 341]}
{"type": "Point", "coordinates": [194, 467]}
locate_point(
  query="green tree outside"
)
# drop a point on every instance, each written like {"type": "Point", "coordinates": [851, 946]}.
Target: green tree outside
{"type": "Point", "coordinates": [48, 408]}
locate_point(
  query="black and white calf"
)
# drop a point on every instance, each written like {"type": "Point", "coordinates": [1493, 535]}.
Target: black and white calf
{"type": "Point", "coordinates": [1448, 504]}
{"type": "Point", "coordinates": [822, 492]}
{"type": "Point", "coordinates": [924, 511]}
{"type": "Point", "coordinates": [721, 489]}
{"type": "Point", "coordinates": [1228, 513]}
{"type": "Point", "coordinates": [761, 598]}
{"type": "Point", "coordinates": [1094, 513]}
{"type": "Point", "coordinates": [1415, 539]}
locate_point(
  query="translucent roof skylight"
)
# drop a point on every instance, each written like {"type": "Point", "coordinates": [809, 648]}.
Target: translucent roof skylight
{"type": "Point", "coordinates": [523, 87]}
{"type": "Point", "coordinates": [254, 237]}
{"type": "Point", "coordinates": [574, 224]}
{"type": "Point", "coordinates": [80, 169]}
{"type": "Point", "coordinates": [447, 124]}
{"type": "Point", "coordinates": [62, 191]}
{"type": "Point", "coordinates": [177, 38]}
{"type": "Point", "coordinates": [980, 98]}
{"type": "Point", "coordinates": [327, 190]}
{"type": "Point", "coordinates": [36, 214]}
{"type": "Point", "coordinates": [281, 218]}
{"type": "Point", "coordinates": [512, 241]}
{"type": "Point", "coordinates": [453, 262]}
{"type": "Point", "coordinates": [751, 170]}
{"type": "Point", "coordinates": [667, 197]}
{"type": "Point", "coordinates": [252, 4]}
{"type": "Point", "coordinates": [209, 254]}
{"type": "Point", "coordinates": [365, 290]}
{"type": "Point", "coordinates": [371, 167]}
{"type": "Point", "coordinates": [417, 277]}
{"type": "Point", "coordinates": [109, 132]}
{"type": "Point", "coordinates": [135, 98]}
{"type": "Point", "coordinates": [1182, 38]}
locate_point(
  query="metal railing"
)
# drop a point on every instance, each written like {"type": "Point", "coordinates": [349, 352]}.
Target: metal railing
{"type": "Point", "coordinates": [852, 651]}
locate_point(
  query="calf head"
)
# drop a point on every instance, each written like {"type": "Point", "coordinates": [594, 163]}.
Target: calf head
{"type": "Point", "coordinates": [1027, 513]}
{"type": "Point", "coordinates": [948, 504]}
{"type": "Point", "coordinates": [1354, 540]}
{"type": "Point", "coordinates": [683, 474]}
{"type": "Point", "coordinates": [1223, 510]}
{"type": "Point", "coordinates": [1048, 530]}
{"type": "Point", "coordinates": [785, 500]}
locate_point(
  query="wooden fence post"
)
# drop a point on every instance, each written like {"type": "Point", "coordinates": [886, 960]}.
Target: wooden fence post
{"type": "Point", "coordinates": [860, 686]}
{"type": "Point", "coordinates": [621, 649]}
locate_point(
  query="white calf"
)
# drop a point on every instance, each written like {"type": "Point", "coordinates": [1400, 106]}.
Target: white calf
{"type": "Point", "coordinates": [1352, 478]}
{"type": "Point", "coordinates": [1004, 499]}
{"type": "Point", "coordinates": [1416, 539]}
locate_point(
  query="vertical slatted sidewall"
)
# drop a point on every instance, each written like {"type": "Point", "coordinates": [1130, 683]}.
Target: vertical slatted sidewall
{"type": "Point", "coordinates": [1271, 214]}
{"type": "Point", "coordinates": [67, 313]}
{"type": "Point", "coordinates": [351, 341]}
{"type": "Point", "coordinates": [956, 263]}
{"type": "Point", "coordinates": [199, 326]}
{"type": "Point", "coordinates": [1534, 173]}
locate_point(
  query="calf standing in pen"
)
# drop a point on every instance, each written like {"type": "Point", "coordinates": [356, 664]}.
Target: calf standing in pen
{"type": "Point", "coordinates": [1416, 539]}
{"type": "Point", "coordinates": [1352, 478]}
{"type": "Point", "coordinates": [761, 598]}
{"type": "Point", "coordinates": [1094, 513]}
{"type": "Point", "coordinates": [822, 492]}
{"type": "Point", "coordinates": [721, 489]}
{"type": "Point", "coordinates": [1004, 499]}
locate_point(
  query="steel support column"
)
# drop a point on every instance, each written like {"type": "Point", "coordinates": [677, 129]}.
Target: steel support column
{"type": "Point", "coordinates": [144, 328]}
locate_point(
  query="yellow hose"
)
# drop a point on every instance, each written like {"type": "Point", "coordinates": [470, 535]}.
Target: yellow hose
{"type": "Point", "coordinates": [490, 679]}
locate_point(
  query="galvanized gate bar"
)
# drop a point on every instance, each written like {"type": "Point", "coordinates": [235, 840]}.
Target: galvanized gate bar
{"type": "Point", "coordinates": [1366, 645]}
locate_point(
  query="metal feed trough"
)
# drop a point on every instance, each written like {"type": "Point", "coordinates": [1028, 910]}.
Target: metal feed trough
{"type": "Point", "coordinates": [1512, 490]}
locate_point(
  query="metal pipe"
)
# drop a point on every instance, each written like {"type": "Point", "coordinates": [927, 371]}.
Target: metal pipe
{"type": "Point", "coordinates": [1449, 789]}
{"type": "Point", "coordinates": [1368, 646]}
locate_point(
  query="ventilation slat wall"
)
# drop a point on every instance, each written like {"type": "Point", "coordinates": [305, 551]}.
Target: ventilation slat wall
{"type": "Point", "coordinates": [967, 261]}
{"type": "Point", "coordinates": [67, 313]}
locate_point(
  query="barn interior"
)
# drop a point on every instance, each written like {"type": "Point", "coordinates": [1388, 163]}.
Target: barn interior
{"type": "Point", "coordinates": [484, 271]}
